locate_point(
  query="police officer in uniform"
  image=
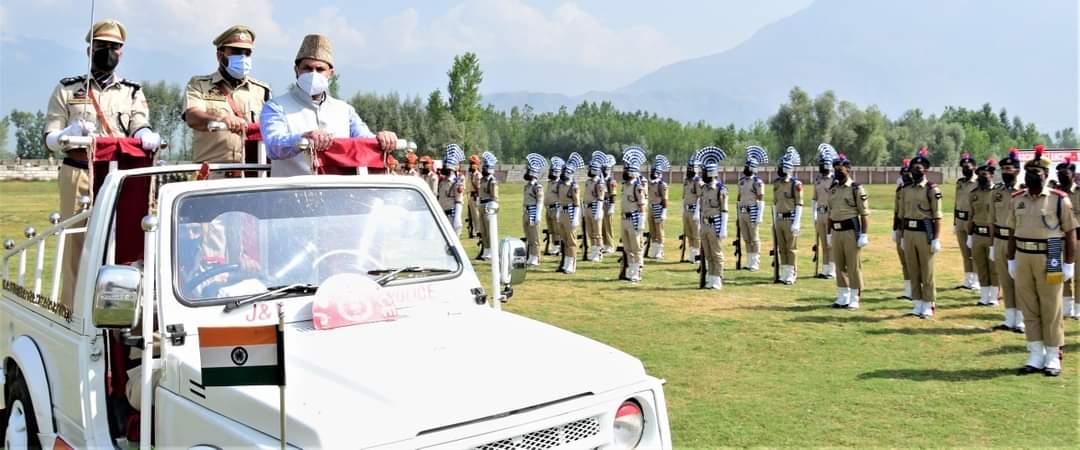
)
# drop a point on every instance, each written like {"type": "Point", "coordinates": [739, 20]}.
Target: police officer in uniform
{"type": "Point", "coordinates": [229, 96]}
{"type": "Point", "coordinates": [1040, 260]}
{"type": "Point", "coordinates": [488, 192]}
{"type": "Point", "coordinates": [920, 215]}
{"type": "Point", "coordinates": [787, 205]}
{"type": "Point", "coordinates": [449, 187]}
{"type": "Point", "coordinates": [632, 202]}
{"type": "Point", "coordinates": [692, 186]}
{"type": "Point", "coordinates": [392, 165]}
{"type": "Point", "coordinates": [961, 217]}
{"type": "Point", "coordinates": [1000, 210]}
{"type": "Point", "coordinates": [904, 180]}
{"type": "Point", "coordinates": [1066, 182]}
{"type": "Point", "coordinates": [979, 240]}
{"type": "Point", "coordinates": [570, 215]}
{"type": "Point", "coordinates": [104, 105]}
{"type": "Point", "coordinates": [658, 200]}
{"type": "Point", "coordinates": [472, 184]}
{"type": "Point", "coordinates": [848, 223]}
{"type": "Point", "coordinates": [714, 213]}
{"type": "Point", "coordinates": [595, 193]}
{"type": "Point", "coordinates": [427, 173]}
{"type": "Point", "coordinates": [826, 156]}
{"type": "Point", "coordinates": [551, 203]}
{"type": "Point", "coordinates": [410, 165]}
{"type": "Point", "coordinates": [609, 203]}
{"type": "Point", "coordinates": [533, 200]}
{"type": "Point", "coordinates": [751, 204]}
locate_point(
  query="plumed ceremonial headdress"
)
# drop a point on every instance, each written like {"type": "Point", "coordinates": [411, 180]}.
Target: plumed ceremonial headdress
{"type": "Point", "coordinates": [756, 157]}
{"type": "Point", "coordinates": [988, 166]}
{"type": "Point", "coordinates": [965, 157]}
{"type": "Point", "coordinates": [841, 160]}
{"type": "Point", "coordinates": [905, 166]}
{"type": "Point", "coordinates": [1068, 164]}
{"type": "Point", "coordinates": [609, 161]}
{"type": "Point", "coordinates": [489, 160]}
{"type": "Point", "coordinates": [557, 164]}
{"type": "Point", "coordinates": [1012, 160]}
{"type": "Point", "coordinates": [573, 163]}
{"type": "Point", "coordinates": [453, 156]}
{"type": "Point", "coordinates": [661, 164]}
{"type": "Point", "coordinates": [597, 161]}
{"type": "Point", "coordinates": [826, 154]}
{"type": "Point", "coordinates": [534, 164]}
{"type": "Point", "coordinates": [790, 159]}
{"type": "Point", "coordinates": [693, 162]}
{"type": "Point", "coordinates": [633, 158]}
{"type": "Point", "coordinates": [710, 158]}
{"type": "Point", "coordinates": [1039, 162]}
{"type": "Point", "coordinates": [922, 157]}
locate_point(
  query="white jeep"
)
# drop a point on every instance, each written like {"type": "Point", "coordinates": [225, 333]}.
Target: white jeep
{"type": "Point", "coordinates": [452, 371]}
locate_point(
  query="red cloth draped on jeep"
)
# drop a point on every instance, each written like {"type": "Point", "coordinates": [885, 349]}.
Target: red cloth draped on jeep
{"type": "Point", "coordinates": [134, 199]}
{"type": "Point", "coordinates": [346, 155]}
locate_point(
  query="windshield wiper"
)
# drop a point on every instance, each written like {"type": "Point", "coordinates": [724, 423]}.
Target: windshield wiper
{"type": "Point", "coordinates": [272, 292]}
{"type": "Point", "coordinates": [392, 274]}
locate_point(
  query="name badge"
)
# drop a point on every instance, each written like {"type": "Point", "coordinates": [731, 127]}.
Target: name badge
{"type": "Point", "coordinates": [837, 225]}
{"type": "Point", "coordinates": [913, 223]}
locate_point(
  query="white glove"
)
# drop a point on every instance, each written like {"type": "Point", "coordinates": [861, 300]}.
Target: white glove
{"type": "Point", "coordinates": [77, 127]}
{"type": "Point", "coordinates": [970, 241]}
{"type": "Point", "coordinates": [457, 216]}
{"type": "Point", "coordinates": [895, 236]}
{"type": "Point", "coordinates": [991, 255]}
{"type": "Point", "coordinates": [150, 140]}
{"type": "Point", "coordinates": [814, 213]}
{"type": "Point", "coordinates": [1068, 268]}
{"type": "Point", "coordinates": [935, 246]}
{"type": "Point", "coordinates": [864, 240]}
{"type": "Point", "coordinates": [828, 239]}
{"type": "Point", "coordinates": [723, 225]}
{"type": "Point", "coordinates": [760, 211]}
{"type": "Point", "coordinates": [795, 227]}
{"type": "Point", "coordinates": [1012, 268]}
{"type": "Point", "coordinates": [663, 214]}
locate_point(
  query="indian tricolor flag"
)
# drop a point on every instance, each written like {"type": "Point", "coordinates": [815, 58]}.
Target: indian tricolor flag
{"type": "Point", "coordinates": [242, 356]}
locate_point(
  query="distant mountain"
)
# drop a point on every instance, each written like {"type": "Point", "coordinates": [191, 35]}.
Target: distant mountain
{"type": "Point", "coordinates": [899, 55]}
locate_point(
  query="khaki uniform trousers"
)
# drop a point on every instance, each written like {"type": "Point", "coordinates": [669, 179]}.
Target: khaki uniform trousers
{"type": "Point", "coordinates": [475, 214]}
{"type": "Point", "coordinates": [1039, 301]}
{"type": "Point", "coordinates": [965, 252]}
{"type": "Point", "coordinates": [903, 261]}
{"type": "Point", "coordinates": [750, 237]}
{"type": "Point", "coordinates": [845, 252]}
{"type": "Point", "coordinates": [920, 263]}
{"type": "Point", "coordinates": [712, 249]}
{"type": "Point", "coordinates": [74, 183]}
{"type": "Point", "coordinates": [1072, 289]}
{"type": "Point", "coordinates": [821, 227]}
{"type": "Point", "coordinates": [691, 229]}
{"type": "Point", "coordinates": [656, 230]}
{"type": "Point", "coordinates": [981, 246]}
{"type": "Point", "coordinates": [631, 241]}
{"type": "Point", "coordinates": [551, 217]}
{"type": "Point", "coordinates": [569, 234]}
{"type": "Point", "coordinates": [532, 235]}
{"type": "Point", "coordinates": [607, 233]}
{"type": "Point", "coordinates": [1001, 266]}
{"type": "Point", "coordinates": [786, 242]}
{"type": "Point", "coordinates": [592, 229]}
{"type": "Point", "coordinates": [485, 239]}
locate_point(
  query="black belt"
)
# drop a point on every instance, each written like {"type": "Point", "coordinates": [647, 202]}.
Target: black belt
{"type": "Point", "coordinates": [484, 202]}
{"type": "Point", "coordinates": [569, 207]}
{"type": "Point", "coordinates": [745, 209]}
{"type": "Point", "coordinates": [448, 211]}
{"type": "Point", "coordinates": [982, 231]}
{"type": "Point", "coordinates": [1035, 246]}
{"type": "Point", "coordinates": [787, 215]}
{"type": "Point", "coordinates": [628, 215]}
{"type": "Point", "coordinates": [82, 165]}
{"type": "Point", "coordinates": [962, 215]}
{"type": "Point", "coordinates": [713, 219]}
{"type": "Point", "coordinates": [1002, 232]}
{"type": "Point", "coordinates": [844, 225]}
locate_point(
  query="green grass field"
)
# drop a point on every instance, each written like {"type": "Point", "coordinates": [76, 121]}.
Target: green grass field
{"type": "Point", "coordinates": [759, 364]}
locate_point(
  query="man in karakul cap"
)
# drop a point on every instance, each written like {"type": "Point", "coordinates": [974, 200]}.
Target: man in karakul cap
{"type": "Point", "coordinates": [308, 111]}
{"type": "Point", "coordinates": [229, 96]}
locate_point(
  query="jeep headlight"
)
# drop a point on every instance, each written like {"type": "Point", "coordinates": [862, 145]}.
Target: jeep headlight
{"type": "Point", "coordinates": [629, 425]}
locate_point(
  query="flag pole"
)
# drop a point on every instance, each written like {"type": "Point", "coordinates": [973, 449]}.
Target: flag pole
{"type": "Point", "coordinates": [281, 364]}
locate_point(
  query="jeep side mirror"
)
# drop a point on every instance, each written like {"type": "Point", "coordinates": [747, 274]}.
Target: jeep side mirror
{"type": "Point", "coordinates": [512, 258]}
{"type": "Point", "coordinates": [116, 297]}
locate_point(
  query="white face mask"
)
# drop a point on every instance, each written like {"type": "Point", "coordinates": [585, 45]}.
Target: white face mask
{"type": "Point", "coordinates": [238, 66]}
{"type": "Point", "coordinates": [313, 83]}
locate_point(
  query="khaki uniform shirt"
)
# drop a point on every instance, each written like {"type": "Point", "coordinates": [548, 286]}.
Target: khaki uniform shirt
{"type": "Point", "coordinates": [714, 200]}
{"type": "Point", "coordinates": [1001, 203]}
{"type": "Point", "coordinates": [552, 196]}
{"type": "Point", "coordinates": [821, 194]}
{"type": "Point", "coordinates": [981, 199]}
{"type": "Point", "coordinates": [749, 190]}
{"type": "Point", "coordinates": [449, 191]}
{"type": "Point", "coordinates": [963, 201]}
{"type": "Point", "coordinates": [432, 180]}
{"type": "Point", "coordinates": [920, 201]}
{"type": "Point", "coordinates": [633, 197]}
{"type": "Point", "coordinates": [474, 184]}
{"type": "Point", "coordinates": [847, 201]}
{"type": "Point", "coordinates": [569, 194]}
{"type": "Point", "coordinates": [1037, 217]}
{"type": "Point", "coordinates": [787, 194]}
{"type": "Point", "coordinates": [489, 189]}
{"type": "Point", "coordinates": [211, 93]}
{"type": "Point", "coordinates": [595, 191]}
{"type": "Point", "coordinates": [122, 103]}
{"type": "Point", "coordinates": [692, 189]}
{"type": "Point", "coordinates": [534, 194]}
{"type": "Point", "coordinates": [658, 192]}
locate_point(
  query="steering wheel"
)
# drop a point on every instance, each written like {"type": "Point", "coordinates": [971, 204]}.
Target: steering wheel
{"type": "Point", "coordinates": [214, 271]}
{"type": "Point", "coordinates": [356, 255]}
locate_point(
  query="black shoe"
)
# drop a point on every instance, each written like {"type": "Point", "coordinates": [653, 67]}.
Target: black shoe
{"type": "Point", "coordinates": [838, 306]}
{"type": "Point", "coordinates": [1001, 327]}
{"type": "Point", "coordinates": [1017, 330]}
{"type": "Point", "coordinates": [1051, 372]}
{"type": "Point", "coordinates": [1028, 370]}
{"type": "Point", "coordinates": [903, 297]}
{"type": "Point", "coordinates": [821, 276]}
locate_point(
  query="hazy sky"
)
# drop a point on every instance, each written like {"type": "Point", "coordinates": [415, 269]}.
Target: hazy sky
{"type": "Point", "coordinates": [541, 45]}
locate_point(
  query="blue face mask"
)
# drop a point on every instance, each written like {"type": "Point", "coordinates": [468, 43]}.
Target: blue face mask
{"type": "Point", "coordinates": [239, 66]}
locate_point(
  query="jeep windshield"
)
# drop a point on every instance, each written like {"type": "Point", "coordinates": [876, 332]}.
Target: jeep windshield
{"type": "Point", "coordinates": [238, 244]}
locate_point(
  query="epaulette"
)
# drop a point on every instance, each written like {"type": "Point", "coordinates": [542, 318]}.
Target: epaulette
{"type": "Point", "coordinates": [266, 88]}
{"type": "Point", "coordinates": [1019, 192]}
{"type": "Point", "coordinates": [999, 184]}
{"type": "Point", "coordinates": [72, 80]}
{"type": "Point", "coordinates": [134, 84]}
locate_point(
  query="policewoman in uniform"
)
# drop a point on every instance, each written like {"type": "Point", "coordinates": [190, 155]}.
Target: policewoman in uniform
{"type": "Point", "coordinates": [920, 214]}
{"type": "Point", "coordinates": [691, 217]}
{"type": "Point", "coordinates": [595, 193]}
{"type": "Point", "coordinates": [980, 241]}
{"type": "Point", "coordinates": [450, 188]}
{"type": "Point", "coordinates": [533, 200]}
{"type": "Point", "coordinates": [1066, 182]}
{"type": "Point", "coordinates": [570, 218]}
{"type": "Point", "coordinates": [632, 201]}
{"type": "Point", "coordinates": [472, 185]}
{"type": "Point", "coordinates": [787, 204]}
{"type": "Point", "coordinates": [848, 224]}
{"type": "Point", "coordinates": [751, 204]}
{"type": "Point", "coordinates": [826, 156]}
{"type": "Point", "coordinates": [104, 105]}
{"type": "Point", "coordinates": [551, 203]}
{"type": "Point", "coordinates": [1001, 209]}
{"type": "Point", "coordinates": [1040, 260]}
{"type": "Point", "coordinates": [961, 217]}
{"type": "Point", "coordinates": [658, 201]}
{"type": "Point", "coordinates": [488, 192]}
{"type": "Point", "coordinates": [903, 181]}
{"type": "Point", "coordinates": [714, 214]}
{"type": "Point", "coordinates": [230, 96]}
{"type": "Point", "coordinates": [609, 203]}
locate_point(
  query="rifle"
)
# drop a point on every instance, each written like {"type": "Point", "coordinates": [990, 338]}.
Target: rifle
{"type": "Point", "coordinates": [468, 218]}
{"type": "Point", "coordinates": [738, 243]}
{"type": "Point", "coordinates": [480, 243]}
{"type": "Point", "coordinates": [547, 242]}
{"type": "Point", "coordinates": [775, 252]}
{"type": "Point", "coordinates": [815, 249]}
{"type": "Point", "coordinates": [702, 269]}
{"type": "Point", "coordinates": [623, 261]}
{"type": "Point", "coordinates": [648, 242]}
{"type": "Point", "coordinates": [682, 248]}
